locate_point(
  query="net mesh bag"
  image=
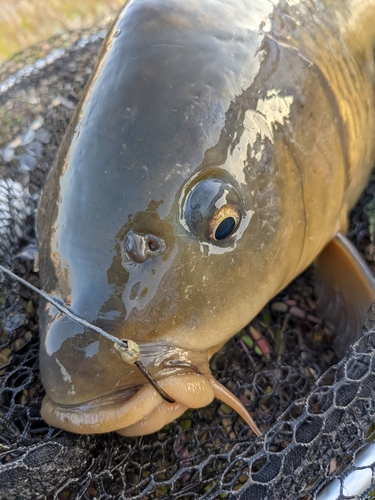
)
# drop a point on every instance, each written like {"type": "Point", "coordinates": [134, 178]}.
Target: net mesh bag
{"type": "Point", "coordinates": [316, 413]}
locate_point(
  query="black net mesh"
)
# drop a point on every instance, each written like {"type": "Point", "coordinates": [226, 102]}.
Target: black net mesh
{"type": "Point", "coordinates": [316, 414]}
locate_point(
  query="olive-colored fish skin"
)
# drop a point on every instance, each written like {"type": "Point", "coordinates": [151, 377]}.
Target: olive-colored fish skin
{"type": "Point", "coordinates": [267, 107]}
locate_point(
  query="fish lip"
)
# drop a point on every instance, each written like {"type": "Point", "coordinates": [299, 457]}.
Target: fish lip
{"type": "Point", "coordinates": [102, 414]}
{"type": "Point", "coordinates": [118, 396]}
{"type": "Point", "coordinates": [99, 415]}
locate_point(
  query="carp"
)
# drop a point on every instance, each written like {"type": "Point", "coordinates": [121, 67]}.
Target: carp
{"type": "Point", "coordinates": [214, 156]}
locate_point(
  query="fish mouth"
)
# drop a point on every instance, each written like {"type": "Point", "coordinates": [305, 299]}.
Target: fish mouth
{"type": "Point", "coordinates": [117, 412]}
{"type": "Point", "coordinates": [145, 411]}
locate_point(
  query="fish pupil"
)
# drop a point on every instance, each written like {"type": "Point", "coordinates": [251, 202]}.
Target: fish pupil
{"type": "Point", "coordinates": [225, 228]}
{"type": "Point", "coordinates": [153, 245]}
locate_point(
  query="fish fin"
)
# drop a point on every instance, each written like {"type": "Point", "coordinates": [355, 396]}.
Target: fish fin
{"type": "Point", "coordinates": [345, 290]}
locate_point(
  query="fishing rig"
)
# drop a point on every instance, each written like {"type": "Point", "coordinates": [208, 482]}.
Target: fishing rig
{"type": "Point", "coordinates": [316, 413]}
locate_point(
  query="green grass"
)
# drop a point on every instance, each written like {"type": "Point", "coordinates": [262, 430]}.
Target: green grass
{"type": "Point", "coordinates": [27, 22]}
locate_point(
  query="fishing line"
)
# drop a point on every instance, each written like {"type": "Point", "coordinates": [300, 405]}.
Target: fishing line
{"type": "Point", "coordinates": [130, 351]}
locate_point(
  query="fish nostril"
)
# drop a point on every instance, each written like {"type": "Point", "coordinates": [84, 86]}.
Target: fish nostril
{"type": "Point", "coordinates": [141, 247]}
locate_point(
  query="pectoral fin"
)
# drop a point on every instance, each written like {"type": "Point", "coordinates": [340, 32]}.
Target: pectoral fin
{"type": "Point", "coordinates": [345, 289]}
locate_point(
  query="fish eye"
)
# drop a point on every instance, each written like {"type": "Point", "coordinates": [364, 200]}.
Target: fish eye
{"type": "Point", "coordinates": [213, 210]}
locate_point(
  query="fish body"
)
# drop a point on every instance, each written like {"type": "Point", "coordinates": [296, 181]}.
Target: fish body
{"type": "Point", "coordinates": [216, 152]}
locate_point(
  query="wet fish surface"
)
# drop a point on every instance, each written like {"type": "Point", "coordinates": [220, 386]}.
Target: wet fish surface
{"type": "Point", "coordinates": [216, 153]}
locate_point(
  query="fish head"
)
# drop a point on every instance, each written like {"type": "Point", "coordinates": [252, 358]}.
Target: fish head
{"type": "Point", "coordinates": [163, 284]}
{"type": "Point", "coordinates": [169, 214]}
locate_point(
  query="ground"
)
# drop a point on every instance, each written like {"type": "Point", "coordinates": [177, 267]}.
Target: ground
{"type": "Point", "coordinates": [26, 22]}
